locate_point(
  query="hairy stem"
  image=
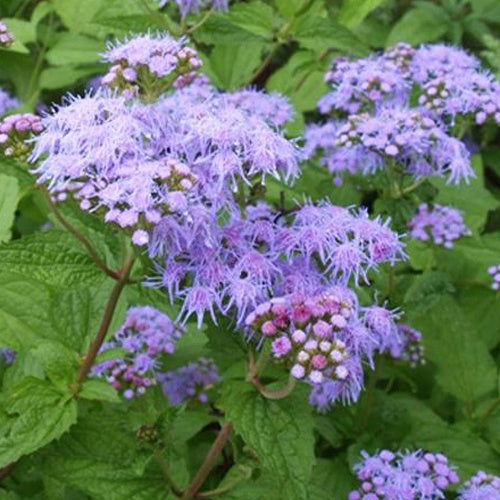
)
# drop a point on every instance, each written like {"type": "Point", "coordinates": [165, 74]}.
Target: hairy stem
{"type": "Point", "coordinates": [81, 238]}
{"type": "Point", "coordinates": [158, 457]}
{"type": "Point", "coordinates": [106, 320]}
{"type": "Point", "coordinates": [209, 462]}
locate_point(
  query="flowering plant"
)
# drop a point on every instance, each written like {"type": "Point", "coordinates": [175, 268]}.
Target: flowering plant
{"type": "Point", "coordinates": [250, 253]}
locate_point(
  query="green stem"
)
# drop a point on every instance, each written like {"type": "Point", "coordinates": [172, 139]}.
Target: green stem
{"type": "Point", "coordinates": [158, 457]}
{"type": "Point", "coordinates": [413, 186]}
{"type": "Point", "coordinates": [489, 412]}
{"type": "Point", "coordinates": [199, 24]}
{"type": "Point", "coordinates": [274, 394]}
{"type": "Point", "coordinates": [209, 462]}
{"type": "Point", "coordinates": [223, 489]}
{"type": "Point", "coordinates": [370, 396]}
{"type": "Point", "coordinates": [80, 237]}
{"type": "Point", "coordinates": [105, 322]}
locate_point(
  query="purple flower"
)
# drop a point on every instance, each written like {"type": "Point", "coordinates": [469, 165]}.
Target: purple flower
{"type": "Point", "coordinates": [145, 334]}
{"type": "Point", "coordinates": [7, 102]}
{"type": "Point", "coordinates": [410, 476]}
{"type": "Point", "coordinates": [6, 37]}
{"type": "Point", "coordinates": [189, 382]}
{"type": "Point", "coordinates": [494, 272]}
{"type": "Point", "coordinates": [441, 223]}
{"type": "Point", "coordinates": [16, 132]}
{"type": "Point", "coordinates": [8, 355]}
{"type": "Point", "coordinates": [410, 348]}
{"type": "Point", "coordinates": [193, 6]}
{"type": "Point", "coordinates": [481, 486]}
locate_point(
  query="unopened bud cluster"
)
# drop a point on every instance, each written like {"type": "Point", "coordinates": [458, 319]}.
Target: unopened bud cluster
{"type": "Point", "coordinates": [494, 272]}
{"type": "Point", "coordinates": [481, 486]}
{"type": "Point", "coordinates": [440, 223]}
{"type": "Point", "coordinates": [412, 476]}
{"type": "Point", "coordinates": [6, 37]}
{"type": "Point", "coordinates": [15, 131]}
{"type": "Point", "coordinates": [190, 382]}
{"type": "Point", "coordinates": [146, 334]}
{"type": "Point", "coordinates": [149, 65]}
{"type": "Point", "coordinates": [306, 334]}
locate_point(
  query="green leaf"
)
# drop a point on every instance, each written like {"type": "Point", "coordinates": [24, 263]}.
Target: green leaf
{"type": "Point", "coordinates": [78, 16]}
{"type": "Point", "coordinates": [255, 17]}
{"type": "Point", "coordinates": [37, 414]}
{"type": "Point", "coordinates": [288, 8]}
{"type": "Point", "coordinates": [301, 79]}
{"type": "Point", "coordinates": [280, 432]}
{"type": "Point", "coordinates": [73, 49]}
{"type": "Point", "coordinates": [101, 458]}
{"type": "Point", "coordinates": [42, 9]}
{"type": "Point", "coordinates": [417, 26]}
{"type": "Point", "coordinates": [98, 390]}
{"type": "Point", "coordinates": [331, 479]}
{"type": "Point", "coordinates": [465, 368]}
{"type": "Point", "coordinates": [23, 31]}
{"type": "Point", "coordinates": [218, 29]}
{"type": "Point", "coordinates": [9, 195]}
{"type": "Point", "coordinates": [22, 321]}
{"type": "Point", "coordinates": [53, 257]}
{"type": "Point", "coordinates": [318, 33]}
{"type": "Point", "coordinates": [353, 12]}
{"type": "Point", "coordinates": [230, 66]}
{"type": "Point", "coordinates": [64, 76]}
{"type": "Point", "coordinates": [426, 290]}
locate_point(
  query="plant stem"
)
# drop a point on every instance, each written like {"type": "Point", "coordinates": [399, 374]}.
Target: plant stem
{"type": "Point", "coordinates": [370, 395]}
{"type": "Point", "coordinates": [209, 462]}
{"type": "Point", "coordinates": [81, 238]}
{"type": "Point", "coordinates": [158, 457]}
{"type": "Point", "coordinates": [199, 24]}
{"type": "Point", "coordinates": [222, 489]}
{"type": "Point", "coordinates": [106, 320]}
{"type": "Point", "coordinates": [265, 63]}
{"type": "Point", "coordinates": [275, 394]}
{"type": "Point", "coordinates": [7, 470]}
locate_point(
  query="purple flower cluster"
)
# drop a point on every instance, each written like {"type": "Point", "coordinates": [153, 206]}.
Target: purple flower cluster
{"type": "Point", "coordinates": [147, 65]}
{"type": "Point", "coordinates": [7, 102]}
{"type": "Point", "coordinates": [138, 163]}
{"type": "Point", "coordinates": [320, 338]}
{"type": "Point", "coordinates": [145, 334]}
{"type": "Point", "coordinates": [410, 349]}
{"type": "Point", "coordinates": [6, 37]}
{"type": "Point", "coordinates": [8, 355]}
{"type": "Point", "coordinates": [494, 272]}
{"type": "Point", "coordinates": [193, 6]}
{"type": "Point", "coordinates": [441, 223]}
{"type": "Point", "coordinates": [409, 476]}
{"type": "Point", "coordinates": [373, 122]}
{"type": "Point", "coordinates": [15, 132]}
{"type": "Point", "coordinates": [481, 486]}
{"type": "Point", "coordinates": [189, 382]}
{"type": "Point", "coordinates": [245, 261]}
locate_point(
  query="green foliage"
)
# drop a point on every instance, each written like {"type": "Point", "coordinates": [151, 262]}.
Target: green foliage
{"type": "Point", "coordinates": [280, 433]}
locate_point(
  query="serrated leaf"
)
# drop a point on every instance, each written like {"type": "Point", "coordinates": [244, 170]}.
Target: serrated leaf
{"type": "Point", "coordinates": [38, 413]}
{"type": "Point", "coordinates": [59, 363]}
{"type": "Point", "coordinates": [53, 257]}
{"type": "Point", "coordinates": [427, 289]}
{"type": "Point", "coordinates": [9, 194]}
{"type": "Point", "coordinates": [230, 66]}
{"type": "Point", "coordinates": [280, 432]}
{"type": "Point", "coordinates": [317, 33]}
{"type": "Point", "coordinates": [220, 30]}
{"type": "Point", "coordinates": [465, 368]}
{"type": "Point", "coordinates": [255, 17]}
{"type": "Point", "coordinates": [418, 26]}
{"type": "Point", "coordinates": [288, 8]}
{"type": "Point", "coordinates": [98, 390]}
{"type": "Point", "coordinates": [353, 12]}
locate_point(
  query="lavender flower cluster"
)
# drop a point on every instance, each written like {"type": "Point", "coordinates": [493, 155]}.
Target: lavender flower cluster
{"type": "Point", "coordinates": [6, 37]}
{"type": "Point", "coordinates": [373, 123]}
{"type": "Point", "coordinates": [146, 65]}
{"type": "Point", "coordinates": [481, 486]}
{"type": "Point", "coordinates": [409, 476]}
{"type": "Point", "coordinates": [194, 6]}
{"type": "Point", "coordinates": [145, 334]}
{"type": "Point", "coordinates": [15, 131]}
{"type": "Point", "coordinates": [441, 223]}
{"type": "Point", "coordinates": [494, 272]}
{"type": "Point", "coordinates": [190, 382]}
{"type": "Point", "coordinates": [7, 102]}
{"type": "Point", "coordinates": [8, 355]}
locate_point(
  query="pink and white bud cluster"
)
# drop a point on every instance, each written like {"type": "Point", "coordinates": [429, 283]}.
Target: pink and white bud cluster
{"type": "Point", "coordinates": [149, 65]}
{"type": "Point", "coordinates": [15, 130]}
{"type": "Point", "coordinates": [306, 333]}
{"type": "Point", "coordinates": [6, 37]}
